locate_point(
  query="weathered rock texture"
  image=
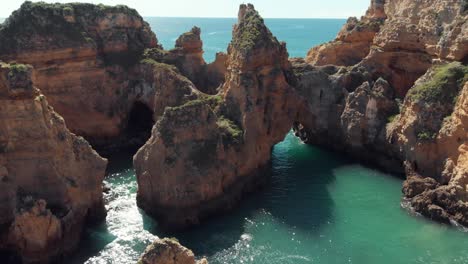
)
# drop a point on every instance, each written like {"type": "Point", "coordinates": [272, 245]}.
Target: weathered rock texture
{"type": "Point", "coordinates": [432, 132]}
{"type": "Point", "coordinates": [168, 251]}
{"type": "Point", "coordinates": [416, 55]}
{"type": "Point", "coordinates": [204, 154]}
{"type": "Point", "coordinates": [187, 56]}
{"type": "Point", "coordinates": [50, 179]}
{"type": "Point", "coordinates": [353, 42]}
{"type": "Point", "coordinates": [86, 62]}
{"type": "Point", "coordinates": [399, 39]}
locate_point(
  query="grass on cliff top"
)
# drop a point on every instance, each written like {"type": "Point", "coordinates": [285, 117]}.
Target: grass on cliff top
{"type": "Point", "coordinates": [159, 64]}
{"type": "Point", "coordinates": [444, 86]}
{"type": "Point", "coordinates": [251, 31]}
{"type": "Point", "coordinates": [44, 19]}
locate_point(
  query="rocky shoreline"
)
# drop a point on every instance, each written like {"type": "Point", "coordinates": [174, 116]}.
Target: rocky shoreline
{"type": "Point", "coordinates": [391, 90]}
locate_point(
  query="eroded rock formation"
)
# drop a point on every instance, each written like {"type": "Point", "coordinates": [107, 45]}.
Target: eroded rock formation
{"type": "Point", "coordinates": [359, 109]}
{"type": "Point", "coordinates": [86, 61]}
{"type": "Point", "coordinates": [353, 42]}
{"type": "Point", "coordinates": [168, 251]}
{"type": "Point", "coordinates": [204, 154]}
{"type": "Point", "coordinates": [187, 56]}
{"type": "Point", "coordinates": [50, 179]}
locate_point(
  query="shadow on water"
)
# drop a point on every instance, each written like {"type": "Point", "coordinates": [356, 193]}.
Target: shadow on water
{"type": "Point", "coordinates": [297, 196]}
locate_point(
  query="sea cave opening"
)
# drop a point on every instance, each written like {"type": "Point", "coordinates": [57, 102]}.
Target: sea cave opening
{"type": "Point", "coordinates": [465, 60]}
{"type": "Point", "coordinates": [139, 125]}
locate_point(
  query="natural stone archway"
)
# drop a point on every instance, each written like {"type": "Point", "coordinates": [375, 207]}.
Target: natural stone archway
{"type": "Point", "coordinates": [205, 153]}
{"type": "Point", "coordinates": [355, 109]}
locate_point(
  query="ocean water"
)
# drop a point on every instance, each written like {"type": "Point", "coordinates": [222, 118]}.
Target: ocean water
{"type": "Point", "coordinates": [319, 207]}
{"type": "Point", "coordinates": [299, 34]}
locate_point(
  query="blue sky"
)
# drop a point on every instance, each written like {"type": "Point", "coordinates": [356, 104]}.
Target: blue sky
{"type": "Point", "coordinates": [227, 8]}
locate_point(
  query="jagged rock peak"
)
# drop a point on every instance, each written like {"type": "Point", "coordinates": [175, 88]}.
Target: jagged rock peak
{"type": "Point", "coordinates": [250, 31]}
{"type": "Point", "coordinates": [190, 41]}
{"type": "Point", "coordinates": [376, 9]}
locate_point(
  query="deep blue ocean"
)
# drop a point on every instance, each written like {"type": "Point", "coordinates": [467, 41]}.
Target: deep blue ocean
{"type": "Point", "coordinates": [319, 207]}
{"type": "Point", "coordinates": [299, 34]}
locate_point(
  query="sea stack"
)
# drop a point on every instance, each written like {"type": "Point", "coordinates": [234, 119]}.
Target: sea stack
{"type": "Point", "coordinates": [204, 154]}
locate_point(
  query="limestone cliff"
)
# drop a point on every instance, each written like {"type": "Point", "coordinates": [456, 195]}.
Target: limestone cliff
{"type": "Point", "coordinates": [50, 179]}
{"type": "Point", "coordinates": [357, 108]}
{"type": "Point", "coordinates": [187, 56]}
{"type": "Point", "coordinates": [85, 60]}
{"type": "Point", "coordinates": [398, 40]}
{"type": "Point", "coordinates": [353, 42]}
{"type": "Point", "coordinates": [432, 133]}
{"type": "Point", "coordinates": [204, 154]}
{"type": "Point", "coordinates": [168, 251]}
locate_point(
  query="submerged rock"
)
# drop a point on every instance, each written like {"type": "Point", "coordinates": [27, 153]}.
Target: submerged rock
{"type": "Point", "coordinates": [168, 251]}
{"type": "Point", "coordinates": [50, 179]}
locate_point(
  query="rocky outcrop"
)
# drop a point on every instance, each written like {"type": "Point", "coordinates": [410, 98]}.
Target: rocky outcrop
{"type": "Point", "coordinates": [168, 251]}
{"type": "Point", "coordinates": [204, 154]}
{"type": "Point", "coordinates": [353, 42]}
{"type": "Point", "coordinates": [187, 56]}
{"type": "Point", "coordinates": [50, 179]}
{"type": "Point", "coordinates": [359, 110]}
{"type": "Point", "coordinates": [432, 133]}
{"type": "Point", "coordinates": [398, 40]}
{"type": "Point", "coordinates": [413, 35]}
{"type": "Point", "coordinates": [86, 61]}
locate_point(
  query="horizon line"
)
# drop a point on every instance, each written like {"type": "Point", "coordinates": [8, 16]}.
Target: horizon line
{"type": "Point", "coordinates": [208, 17]}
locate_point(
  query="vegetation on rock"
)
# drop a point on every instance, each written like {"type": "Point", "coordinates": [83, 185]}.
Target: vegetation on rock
{"type": "Point", "coordinates": [444, 85]}
{"type": "Point", "coordinates": [251, 31]}
{"type": "Point", "coordinates": [230, 132]}
{"type": "Point", "coordinates": [44, 19]}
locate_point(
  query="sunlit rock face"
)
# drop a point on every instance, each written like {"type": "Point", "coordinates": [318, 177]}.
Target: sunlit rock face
{"type": "Point", "coordinates": [168, 251]}
{"type": "Point", "coordinates": [354, 40]}
{"type": "Point", "coordinates": [432, 133]}
{"type": "Point", "coordinates": [398, 40]}
{"type": "Point", "coordinates": [187, 56]}
{"type": "Point", "coordinates": [402, 105]}
{"type": "Point", "coordinates": [204, 154]}
{"type": "Point", "coordinates": [86, 61]}
{"type": "Point", "coordinates": [50, 179]}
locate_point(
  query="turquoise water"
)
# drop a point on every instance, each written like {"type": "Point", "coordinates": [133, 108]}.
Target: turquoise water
{"type": "Point", "coordinates": [318, 208]}
{"type": "Point", "coordinates": [299, 34]}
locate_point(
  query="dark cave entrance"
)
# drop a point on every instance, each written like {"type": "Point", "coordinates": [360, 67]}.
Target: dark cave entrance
{"type": "Point", "coordinates": [465, 60]}
{"type": "Point", "coordinates": [139, 125]}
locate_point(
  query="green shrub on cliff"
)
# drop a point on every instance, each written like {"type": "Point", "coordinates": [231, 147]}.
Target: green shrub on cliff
{"type": "Point", "coordinates": [444, 86]}
{"type": "Point", "coordinates": [159, 65]}
{"type": "Point", "coordinates": [51, 23]}
{"type": "Point", "coordinates": [251, 31]}
{"type": "Point", "coordinates": [230, 132]}
{"type": "Point", "coordinates": [16, 69]}
{"type": "Point", "coordinates": [426, 135]}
